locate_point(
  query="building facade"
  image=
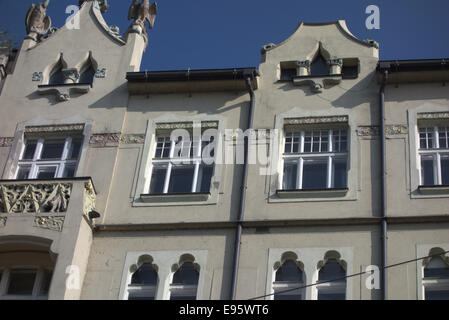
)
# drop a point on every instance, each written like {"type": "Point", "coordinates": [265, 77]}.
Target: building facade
{"type": "Point", "coordinates": [121, 184]}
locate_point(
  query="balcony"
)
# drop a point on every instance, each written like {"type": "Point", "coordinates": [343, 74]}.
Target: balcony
{"type": "Point", "coordinates": [45, 202]}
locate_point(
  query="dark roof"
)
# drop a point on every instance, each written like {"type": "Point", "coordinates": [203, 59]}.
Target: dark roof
{"type": "Point", "coordinates": [413, 65]}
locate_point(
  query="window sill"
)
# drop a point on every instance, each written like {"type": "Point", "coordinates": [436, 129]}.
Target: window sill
{"type": "Point", "coordinates": [434, 190]}
{"type": "Point", "coordinates": [175, 197]}
{"type": "Point", "coordinates": [312, 193]}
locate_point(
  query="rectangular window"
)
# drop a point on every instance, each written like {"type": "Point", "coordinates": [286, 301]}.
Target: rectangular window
{"type": "Point", "coordinates": [21, 282]}
{"type": "Point", "coordinates": [44, 158]}
{"type": "Point", "coordinates": [434, 155]}
{"type": "Point", "coordinates": [315, 159]}
{"type": "Point", "coordinates": [179, 166]}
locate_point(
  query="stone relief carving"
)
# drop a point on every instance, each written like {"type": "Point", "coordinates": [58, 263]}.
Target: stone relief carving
{"type": "Point", "coordinates": [316, 120]}
{"type": "Point", "coordinates": [186, 125]}
{"type": "Point", "coordinates": [433, 115]}
{"type": "Point", "coordinates": [37, 22]}
{"type": "Point", "coordinates": [132, 138]}
{"type": "Point", "coordinates": [104, 140]}
{"type": "Point", "coordinates": [35, 198]}
{"type": "Point", "coordinates": [396, 129]}
{"type": "Point", "coordinates": [89, 198]}
{"type": "Point", "coordinates": [100, 4]}
{"type": "Point", "coordinates": [54, 223]}
{"type": "Point", "coordinates": [6, 141]}
{"type": "Point", "coordinates": [141, 13]}
{"type": "Point", "coordinates": [55, 129]}
{"type": "Point", "coordinates": [101, 73]}
{"type": "Point", "coordinates": [37, 76]}
{"type": "Point", "coordinates": [365, 131]}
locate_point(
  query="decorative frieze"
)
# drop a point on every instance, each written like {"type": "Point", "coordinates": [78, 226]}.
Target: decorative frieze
{"type": "Point", "coordinates": [390, 130]}
{"type": "Point", "coordinates": [55, 128]}
{"type": "Point", "coordinates": [433, 115]}
{"type": "Point", "coordinates": [3, 221]}
{"type": "Point", "coordinates": [316, 120]}
{"type": "Point", "coordinates": [396, 129]}
{"type": "Point", "coordinates": [104, 140]}
{"type": "Point", "coordinates": [366, 131]}
{"type": "Point", "coordinates": [101, 73]}
{"type": "Point", "coordinates": [6, 141]}
{"type": "Point", "coordinates": [187, 125]}
{"type": "Point", "coordinates": [335, 62]}
{"type": "Point", "coordinates": [132, 138]}
{"type": "Point", "coordinates": [54, 223]}
{"type": "Point", "coordinates": [35, 198]}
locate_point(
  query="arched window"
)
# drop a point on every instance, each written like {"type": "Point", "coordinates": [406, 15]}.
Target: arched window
{"type": "Point", "coordinates": [184, 285]}
{"type": "Point", "coordinates": [436, 279]}
{"type": "Point", "coordinates": [143, 283]}
{"type": "Point", "coordinates": [56, 76]}
{"type": "Point", "coordinates": [319, 67]}
{"type": "Point", "coordinates": [288, 277]}
{"type": "Point", "coordinates": [87, 73]}
{"type": "Point", "coordinates": [333, 286]}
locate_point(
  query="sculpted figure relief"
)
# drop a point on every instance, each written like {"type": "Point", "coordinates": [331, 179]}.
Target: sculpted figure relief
{"type": "Point", "coordinates": [142, 12]}
{"type": "Point", "coordinates": [36, 21]}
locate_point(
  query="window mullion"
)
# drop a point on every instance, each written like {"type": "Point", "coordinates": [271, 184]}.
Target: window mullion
{"type": "Point", "coordinates": [37, 282]}
{"type": "Point", "coordinates": [329, 173]}
{"type": "Point", "coordinates": [437, 163]}
{"type": "Point", "coordinates": [4, 282]}
{"type": "Point", "coordinates": [330, 146]}
{"type": "Point", "coordinates": [195, 176]}
{"type": "Point", "coordinates": [39, 147]}
{"type": "Point", "coordinates": [299, 176]}
{"type": "Point", "coordinates": [167, 177]}
{"type": "Point", "coordinates": [301, 145]}
{"type": "Point", "coordinates": [436, 140]}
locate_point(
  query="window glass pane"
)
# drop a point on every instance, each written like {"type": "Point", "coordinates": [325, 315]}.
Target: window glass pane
{"type": "Point", "coordinates": [23, 173]}
{"type": "Point", "coordinates": [205, 176]}
{"type": "Point", "coordinates": [52, 149]}
{"type": "Point", "coordinates": [290, 295]}
{"type": "Point", "coordinates": [186, 275]}
{"type": "Point", "coordinates": [339, 171]}
{"type": "Point", "coordinates": [75, 149]}
{"type": "Point", "coordinates": [145, 275]}
{"type": "Point", "coordinates": [445, 170]}
{"type": "Point", "coordinates": [427, 174]}
{"type": "Point", "coordinates": [46, 173]}
{"type": "Point", "coordinates": [432, 294]}
{"type": "Point", "coordinates": [332, 270]}
{"type": "Point", "coordinates": [290, 173]}
{"type": "Point", "coordinates": [136, 297]}
{"type": "Point", "coordinates": [181, 297]}
{"type": "Point", "coordinates": [181, 179]}
{"type": "Point", "coordinates": [158, 179]}
{"type": "Point", "coordinates": [69, 171]}
{"type": "Point", "coordinates": [314, 174]}
{"type": "Point", "coordinates": [322, 295]}
{"type": "Point", "coordinates": [319, 67]}
{"type": "Point", "coordinates": [289, 271]}
{"type": "Point", "coordinates": [45, 284]}
{"type": "Point", "coordinates": [288, 74]}
{"type": "Point", "coordinates": [443, 138]}
{"type": "Point", "coordinates": [308, 142]}
{"type": "Point", "coordinates": [21, 282]}
{"type": "Point", "coordinates": [30, 148]}
{"type": "Point", "coordinates": [87, 76]}
{"type": "Point", "coordinates": [56, 77]}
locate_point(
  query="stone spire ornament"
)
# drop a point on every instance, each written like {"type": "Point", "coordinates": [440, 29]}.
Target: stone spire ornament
{"type": "Point", "coordinates": [142, 12]}
{"type": "Point", "coordinates": [37, 22]}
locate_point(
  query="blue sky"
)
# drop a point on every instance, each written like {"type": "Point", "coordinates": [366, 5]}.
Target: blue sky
{"type": "Point", "coordinates": [201, 34]}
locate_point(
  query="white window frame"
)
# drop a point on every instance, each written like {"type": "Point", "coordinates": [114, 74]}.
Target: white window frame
{"type": "Point", "coordinates": [36, 163]}
{"type": "Point", "coordinates": [172, 161]}
{"type": "Point", "coordinates": [436, 153]}
{"type": "Point", "coordinates": [4, 284]}
{"type": "Point", "coordinates": [303, 156]}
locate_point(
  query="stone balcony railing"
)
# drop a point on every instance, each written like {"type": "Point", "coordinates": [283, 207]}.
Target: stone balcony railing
{"type": "Point", "coordinates": [47, 201]}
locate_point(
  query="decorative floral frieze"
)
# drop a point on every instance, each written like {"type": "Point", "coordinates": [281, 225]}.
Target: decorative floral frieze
{"type": "Point", "coordinates": [396, 129]}
{"type": "Point", "coordinates": [186, 125]}
{"type": "Point", "coordinates": [54, 223]}
{"type": "Point", "coordinates": [316, 120]}
{"type": "Point", "coordinates": [6, 141]}
{"type": "Point", "coordinates": [433, 115]}
{"type": "Point", "coordinates": [55, 128]}
{"type": "Point", "coordinates": [100, 73]}
{"type": "Point", "coordinates": [104, 140]}
{"type": "Point", "coordinates": [333, 62]}
{"type": "Point", "coordinates": [35, 198]}
{"type": "Point", "coordinates": [3, 221]}
{"type": "Point", "coordinates": [366, 131]}
{"type": "Point", "coordinates": [132, 138]}
{"type": "Point", "coordinates": [88, 198]}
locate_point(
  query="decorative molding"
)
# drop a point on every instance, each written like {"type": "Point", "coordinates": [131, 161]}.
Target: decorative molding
{"type": "Point", "coordinates": [396, 129]}
{"type": "Point", "coordinates": [71, 74]}
{"type": "Point", "coordinates": [63, 92]}
{"type": "Point", "coordinates": [37, 76]}
{"type": "Point", "coordinates": [35, 198]}
{"type": "Point", "coordinates": [186, 125]}
{"type": "Point", "coordinates": [333, 62]}
{"type": "Point", "coordinates": [267, 47]}
{"type": "Point", "coordinates": [3, 221]}
{"type": "Point", "coordinates": [366, 131]}
{"type": "Point", "coordinates": [54, 223]}
{"type": "Point", "coordinates": [372, 43]}
{"type": "Point", "coordinates": [104, 140]}
{"type": "Point", "coordinates": [433, 115]}
{"type": "Point", "coordinates": [55, 128]}
{"type": "Point", "coordinates": [316, 120]}
{"type": "Point", "coordinates": [6, 141]}
{"type": "Point", "coordinates": [132, 138]}
{"type": "Point", "coordinates": [317, 84]}
{"type": "Point", "coordinates": [114, 31]}
{"type": "Point", "coordinates": [100, 73]}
